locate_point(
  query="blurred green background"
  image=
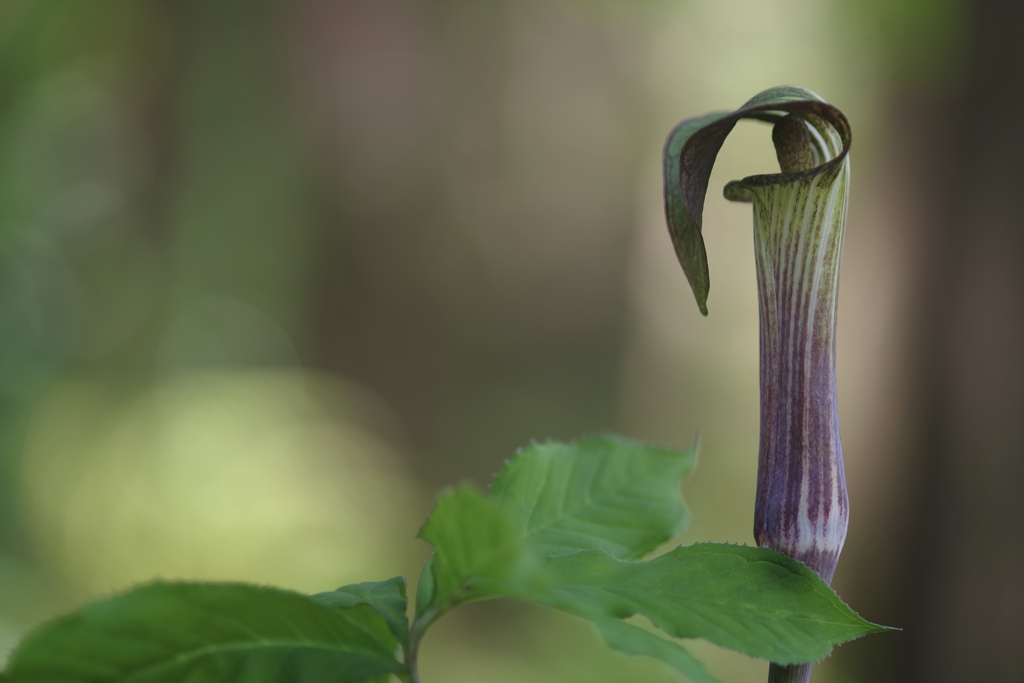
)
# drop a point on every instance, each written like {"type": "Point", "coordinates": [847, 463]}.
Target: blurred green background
{"type": "Point", "coordinates": [273, 273]}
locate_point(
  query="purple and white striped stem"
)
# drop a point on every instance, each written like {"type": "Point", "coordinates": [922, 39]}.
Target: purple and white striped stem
{"type": "Point", "coordinates": [802, 508]}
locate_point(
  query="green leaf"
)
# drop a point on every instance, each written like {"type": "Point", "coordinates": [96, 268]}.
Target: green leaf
{"type": "Point", "coordinates": [752, 600]}
{"type": "Point", "coordinates": [386, 598]}
{"type": "Point", "coordinates": [560, 528]}
{"type": "Point", "coordinates": [425, 587]}
{"type": "Point", "coordinates": [174, 632]}
{"type": "Point", "coordinates": [633, 640]}
{"type": "Point", "coordinates": [603, 492]}
{"type": "Point", "coordinates": [479, 552]}
{"type": "Point", "coordinates": [690, 152]}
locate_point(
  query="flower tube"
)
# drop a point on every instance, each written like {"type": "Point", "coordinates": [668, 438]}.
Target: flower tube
{"type": "Point", "coordinates": [802, 508]}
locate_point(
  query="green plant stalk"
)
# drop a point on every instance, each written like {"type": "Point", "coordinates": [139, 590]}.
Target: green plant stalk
{"type": "Point", "coordinates": [801, 507]}
{"type": "Point", "coordinates": [419, 627]}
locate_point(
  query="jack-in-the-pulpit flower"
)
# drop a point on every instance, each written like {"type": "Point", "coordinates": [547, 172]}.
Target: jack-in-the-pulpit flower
{"type": "Point", "coordinates": [802, 507]}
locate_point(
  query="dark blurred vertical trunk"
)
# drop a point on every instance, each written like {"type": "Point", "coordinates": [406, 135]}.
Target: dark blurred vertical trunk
{"type": "Point", "coordinates": [958, 592]}
{"type": "Point", "coordinates": [410, 104]}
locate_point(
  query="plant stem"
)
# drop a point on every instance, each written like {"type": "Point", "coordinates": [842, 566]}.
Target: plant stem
{"type": "Point", "coordinates": [410, 663]}
{"type": "Point", "coordinates": [412, 655]}
{"type": "Point", "coordinates": [798, 673]}
{"type": "Point", "coordinates": [419, 627]}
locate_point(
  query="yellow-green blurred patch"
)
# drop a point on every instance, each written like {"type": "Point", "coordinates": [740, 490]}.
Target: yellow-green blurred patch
{"type": "Point", "coordinates": [262, 476]}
